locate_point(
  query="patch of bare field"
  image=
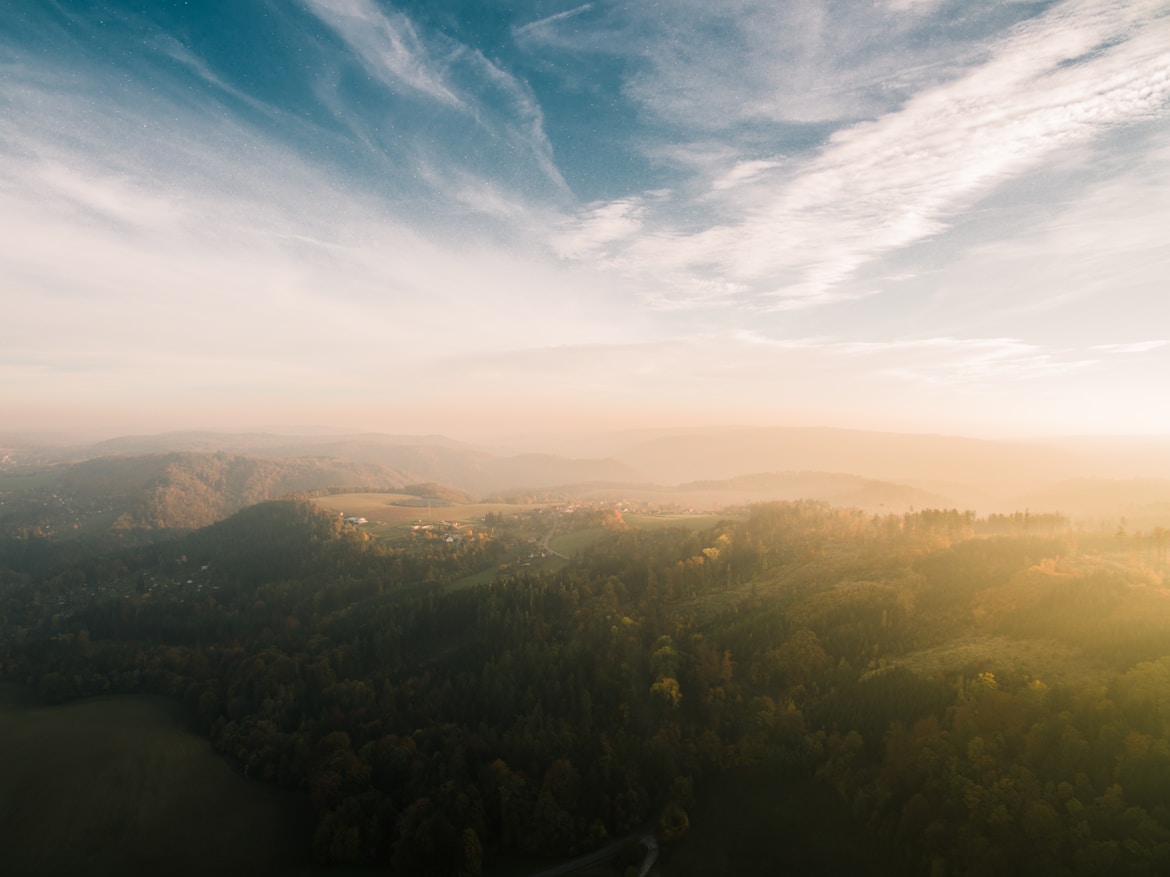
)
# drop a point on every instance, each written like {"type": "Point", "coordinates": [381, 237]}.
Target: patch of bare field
{"type": "Point", "coordinates": [387, 511]}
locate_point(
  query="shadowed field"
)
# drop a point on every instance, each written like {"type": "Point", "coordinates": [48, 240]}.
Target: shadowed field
{"type": "Point", "coordinates": [119, 786]}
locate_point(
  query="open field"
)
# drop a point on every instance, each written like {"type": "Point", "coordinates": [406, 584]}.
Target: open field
{"type": "Point", "coordinates": [570, 543]}
{"type": "Point", "coordinates": [660, 522]}
{"type": "Point", "coordinates": [483, 577]}
{"type": "Point", "coordinates": [119, 786]}
{"type": "Point", "coordinates": [13, 481]}
{"type": "Point", "coordinates": [384, 511]}
{"type": "Point", "coordinates": [391, 514]}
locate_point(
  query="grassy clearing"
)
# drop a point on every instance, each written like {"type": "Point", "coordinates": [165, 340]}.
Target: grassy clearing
{"type": "Point", "coordinates": [753, 825]}
{"type": "Point", "coordinates": [484, 577]}
{"type": "Point", "coordinates": [661, 522]}
{"type": "Point", "coordinates": [489, 575]}
{"type": "Point", "coordinates": [570, 543]}
{"type": "Point", "coordinates": [119, 786]}
{"type": "Point", "coordinates": [28, 480]}
{"type": "Point", "coordinates": [382, 508]}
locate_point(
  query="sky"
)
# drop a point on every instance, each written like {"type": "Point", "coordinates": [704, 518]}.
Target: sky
{"type": "Point", "coordinates": [483, 218]}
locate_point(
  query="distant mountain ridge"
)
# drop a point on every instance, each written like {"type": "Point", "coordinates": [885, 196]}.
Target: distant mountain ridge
{"type": "Point", "coordinates": [911, 459]}
{"type": "Point", "coordinates": [416, 459]}
{"type": "Point", "coordinates": [872, 470]}
{"type": "Point", "coordinates": [1144, 501]}
{"type": "Point", "coordinates": [174, 491]}
{"type": "Point", "coordinates": [831, 487]}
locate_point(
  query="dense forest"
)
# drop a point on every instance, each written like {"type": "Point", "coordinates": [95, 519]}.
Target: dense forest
{"type": "Point", "coordinates": [983, 696]}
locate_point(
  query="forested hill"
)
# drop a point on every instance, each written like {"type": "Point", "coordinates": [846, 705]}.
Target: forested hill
{"type": "Point", "coordinates": [473, 470]}
{"type": "Point", "coordinates": [986, 696]}
{"type": "Point", "coordinates": [877, 471]}
{"type": "Point", "coordinates": [272, 542]}
{"type": "Point", "coordinates": [175, 491]}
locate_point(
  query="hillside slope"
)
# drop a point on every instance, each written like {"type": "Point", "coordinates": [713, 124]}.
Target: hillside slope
{"type": "Point", "coordinates": [175, 491]}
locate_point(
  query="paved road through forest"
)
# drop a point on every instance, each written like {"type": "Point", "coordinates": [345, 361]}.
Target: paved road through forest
{"type": "Point", "coordinates": [644, 836]}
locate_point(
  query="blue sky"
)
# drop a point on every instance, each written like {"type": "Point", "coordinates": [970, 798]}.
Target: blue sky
{"type": "Point", "coordinates": [483, 218]}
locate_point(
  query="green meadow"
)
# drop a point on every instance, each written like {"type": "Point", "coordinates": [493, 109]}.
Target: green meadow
{"type": "Point", "coordinates": [120, 786]}
{"type": "Point", "coordinates": [662, 522]}
{"type": "Point", "coordinates": [578, 540]}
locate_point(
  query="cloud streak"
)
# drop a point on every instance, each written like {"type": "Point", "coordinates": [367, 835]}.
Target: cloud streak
{"type": "Point", "coordinates": [544, 24]}
{"type": "Point", "coordinates": [448, 73]}
{"type": "Point", "coordinates": [388, 45]}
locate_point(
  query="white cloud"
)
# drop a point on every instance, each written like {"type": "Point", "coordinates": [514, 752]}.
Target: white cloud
{"type": "Point", "coordinates": [154, 246]}
{"type": "Point", "coordinates": [742, 174]}
{"type": "Point", "coordinates": [229, 264]}
{"type": "Point", "coordinates": [600, 226]}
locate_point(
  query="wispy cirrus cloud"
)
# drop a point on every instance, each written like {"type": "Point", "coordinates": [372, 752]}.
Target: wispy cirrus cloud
{"type": "Point", "coordinates": [943, 361]}
{"type": "Point", "coordinates": [181, 54]}
{"type": "Point", "coordinates": [713, 67]}
{"type": "Point", "coordinates": [388, 45]}
{"type": "Point", "coordinates": [439, 69]}
{"type": "Point", "coordinates": [1052, 84]}
{"type": "Point", "coordinates": [541, 26]}
{"type": "Point", "coordinates": [1133, 346]}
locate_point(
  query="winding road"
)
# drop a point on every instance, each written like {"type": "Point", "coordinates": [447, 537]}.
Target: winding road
{"type": "Point", "coordinates": [644, 836]}
{"type": "Point", "coordinates": [544, 543]}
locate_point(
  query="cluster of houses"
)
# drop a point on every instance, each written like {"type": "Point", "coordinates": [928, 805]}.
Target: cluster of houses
{"type": "Point", "coordinates": [448, 531]}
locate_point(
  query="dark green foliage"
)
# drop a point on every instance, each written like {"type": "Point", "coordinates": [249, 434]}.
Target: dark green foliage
{"type": "Point", "coordinates": [542, 714]}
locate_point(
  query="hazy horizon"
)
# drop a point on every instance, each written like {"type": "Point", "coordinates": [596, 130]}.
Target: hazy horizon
{"type": "Point", "coordinates": [924, 217]}
{"type": "Point", "coordinates": [588, 441]}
